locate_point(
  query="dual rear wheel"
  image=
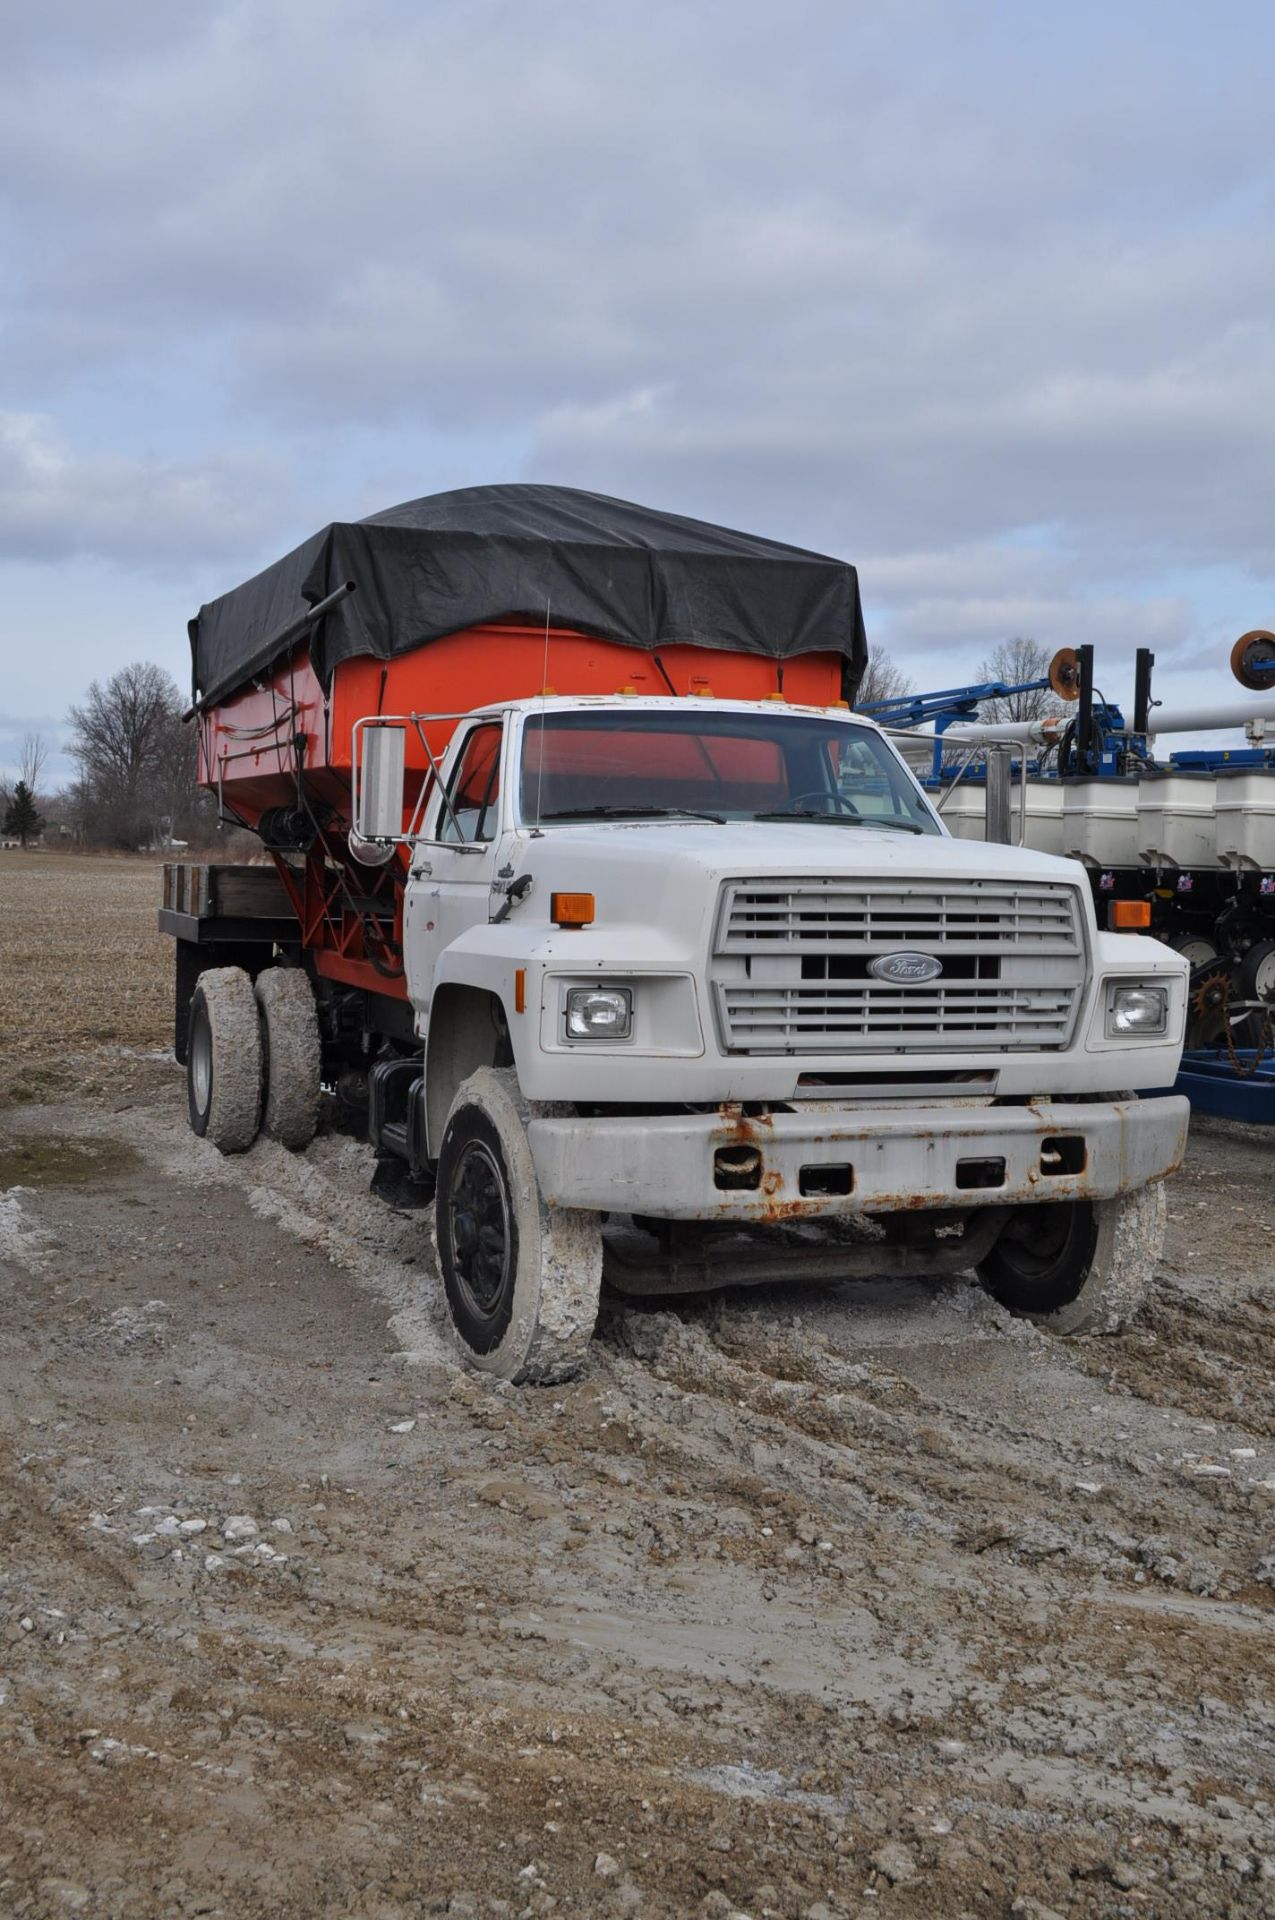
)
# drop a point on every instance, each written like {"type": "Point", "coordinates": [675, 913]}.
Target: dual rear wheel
{"type": "Point", "coordinates": [253, 1058]}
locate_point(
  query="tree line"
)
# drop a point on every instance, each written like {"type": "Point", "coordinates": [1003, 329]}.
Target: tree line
{"type": "Point", "coordinates": [135, 770]}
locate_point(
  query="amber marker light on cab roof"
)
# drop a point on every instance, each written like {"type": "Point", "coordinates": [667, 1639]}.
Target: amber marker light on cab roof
{"type": "Point", "coordinates": [1129, 916]}
{"type": "Point", "coordinates": [571, 909]}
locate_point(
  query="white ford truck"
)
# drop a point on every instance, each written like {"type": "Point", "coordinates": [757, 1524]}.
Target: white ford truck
{"type": "Point", "coordinates": [688, 974]}
{"type": "Point", "coordinates": [639, 982]}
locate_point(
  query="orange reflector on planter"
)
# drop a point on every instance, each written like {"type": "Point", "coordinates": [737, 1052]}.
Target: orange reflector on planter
{"type": "Point", "coordinates": [571, 909]}
{"type": "Point", "coordinates": [1129, 916]}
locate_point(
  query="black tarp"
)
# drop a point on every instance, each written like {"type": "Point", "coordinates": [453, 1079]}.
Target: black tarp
{"type": "Point", "coordinates": [602, 566]}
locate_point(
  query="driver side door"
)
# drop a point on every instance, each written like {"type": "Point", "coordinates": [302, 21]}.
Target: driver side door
{"type": "Point", "coordinates": [454, 872]}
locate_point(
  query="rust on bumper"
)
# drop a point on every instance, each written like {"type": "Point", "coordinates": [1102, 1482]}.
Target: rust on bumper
{"type": "Point", "coordinates": [884, 1161]}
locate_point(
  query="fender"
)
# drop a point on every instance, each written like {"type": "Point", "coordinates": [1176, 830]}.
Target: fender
{"type": "Point", "coordinates": [473, 1016]}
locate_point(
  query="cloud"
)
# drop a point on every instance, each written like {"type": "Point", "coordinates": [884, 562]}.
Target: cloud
{"type": "Point", "coordinates": [991, 312]}
{"type": "Point", "coordinates": [946, 637]}
{"type": "Point", "coordinates": [940, 612]}
{"type": "Point", "coordinates": [58, 503]}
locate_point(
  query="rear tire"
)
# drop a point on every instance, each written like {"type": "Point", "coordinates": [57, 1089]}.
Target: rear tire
{"type": "Point", "coordinates": [522, 1279]}
{"type": "Point", "coordinates": [223, 1060]}
{"type": "Point", "coordinates": [1197, 949]}
{"type": "Point", "coordinates": [290, 1037]}
{"type": "Point", "coordinates": [1078, 1266]}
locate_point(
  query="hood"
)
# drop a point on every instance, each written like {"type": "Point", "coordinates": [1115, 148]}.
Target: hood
{"type": "Point", "coordinates": [807, 847]}
{"type": "Point", "coordinates": [656, 884]}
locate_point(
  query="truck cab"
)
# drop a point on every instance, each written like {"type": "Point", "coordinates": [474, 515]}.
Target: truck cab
{"type": "Point", "coordinates": [717, 966]}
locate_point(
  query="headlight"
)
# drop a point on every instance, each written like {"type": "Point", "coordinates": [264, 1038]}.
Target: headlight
{"type": "Point", "coordinates": [1137, 1009]}
{"type": "Point", "coordinates": [599, 1013]}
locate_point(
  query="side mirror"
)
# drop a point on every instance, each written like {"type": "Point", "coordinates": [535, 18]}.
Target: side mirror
{"type": "Point", "coordinates": [378, 790]}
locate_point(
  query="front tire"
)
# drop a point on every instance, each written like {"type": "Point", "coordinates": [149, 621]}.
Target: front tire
{"type": "Point", "coordinates": [522, 1278]}
{"type": "Point", "coordinates": [223, 1060]}
{"type": "Point", "coordinates": [290, 1034]}
{"type": "Point", "coordinates": [1078, 1266]}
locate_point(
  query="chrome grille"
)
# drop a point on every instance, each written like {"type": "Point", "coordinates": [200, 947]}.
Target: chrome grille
{"type": "Point", "coordinates": [790, 966]}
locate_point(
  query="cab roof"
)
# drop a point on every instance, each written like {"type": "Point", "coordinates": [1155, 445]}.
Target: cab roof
{"type": "Point", "coordinates": [667, 703]}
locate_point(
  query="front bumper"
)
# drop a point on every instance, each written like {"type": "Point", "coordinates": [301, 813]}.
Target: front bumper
{"type": "Point", "coordinates": [670, 1165]}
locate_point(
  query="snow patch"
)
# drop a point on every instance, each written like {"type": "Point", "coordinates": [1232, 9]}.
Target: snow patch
{"type": "Point", "coordinates": [19, 1242]}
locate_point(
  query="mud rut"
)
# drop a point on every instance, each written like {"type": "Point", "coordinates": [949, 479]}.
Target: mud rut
{"type": "Point", "coordinates": [859, 1600]}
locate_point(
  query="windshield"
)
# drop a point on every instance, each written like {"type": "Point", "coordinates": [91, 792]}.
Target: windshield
{"type": "Point", "coordinates": [602, 764]}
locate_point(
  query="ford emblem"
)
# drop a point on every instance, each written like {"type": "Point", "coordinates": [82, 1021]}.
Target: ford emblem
{"type": "Point", "coordinates": [915, 968]}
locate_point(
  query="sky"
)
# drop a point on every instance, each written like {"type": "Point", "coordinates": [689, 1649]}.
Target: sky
{"type": "Point", "coordinates": [980, 297]}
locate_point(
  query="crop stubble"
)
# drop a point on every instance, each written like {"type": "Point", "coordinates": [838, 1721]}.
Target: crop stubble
{"type": "Point", "coordinates": [82, 962]}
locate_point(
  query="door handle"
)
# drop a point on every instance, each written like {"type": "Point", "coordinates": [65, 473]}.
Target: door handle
{"type": "Point", "coordinates": [515, 891]}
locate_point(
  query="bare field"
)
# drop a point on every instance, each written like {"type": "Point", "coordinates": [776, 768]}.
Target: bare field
{"type": "Point", "coordinates": [82, 964]}
{"type": "Point", "coordinates": [849, 1601]}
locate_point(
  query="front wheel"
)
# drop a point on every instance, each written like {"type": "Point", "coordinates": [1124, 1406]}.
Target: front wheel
{"type": "Point", "coordinates": [1078, 1266]}
{"type": "Point", "coordinates": [522, 1278]}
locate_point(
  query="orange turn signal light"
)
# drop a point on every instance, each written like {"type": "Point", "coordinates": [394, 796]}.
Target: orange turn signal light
{"type": "Point", "coordinates": [1129, 916]}
{"type": "Point", "coordinates": [571, 909]}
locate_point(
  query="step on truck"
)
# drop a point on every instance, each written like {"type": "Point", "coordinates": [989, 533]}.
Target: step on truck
{"type": "Point", "coordinates": [637, 953]}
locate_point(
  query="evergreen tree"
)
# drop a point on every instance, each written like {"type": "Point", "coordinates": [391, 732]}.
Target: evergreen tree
{"type": "Point", "coordinates": [22, 818]}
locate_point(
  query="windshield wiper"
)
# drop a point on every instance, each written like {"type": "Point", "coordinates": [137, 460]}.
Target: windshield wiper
{"type": "Point", "coordinates": [632, 813]}
{"type": "Point", "coordinates": [839, 819]}
{"type": "Point", "coordinates": [890, 826]}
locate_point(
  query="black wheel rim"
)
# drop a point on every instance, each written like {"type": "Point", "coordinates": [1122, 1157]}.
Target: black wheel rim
{"type": "Point", "coordinates": [480, 1229]}
{"type": "Point", "coordinates": [1043, 1256]}
{"type": "Point", "coordinates": [200, 1064]}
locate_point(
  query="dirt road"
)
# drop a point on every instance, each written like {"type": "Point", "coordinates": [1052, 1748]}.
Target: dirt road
{"type": "Point", "coordinates": [844, 1601]}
